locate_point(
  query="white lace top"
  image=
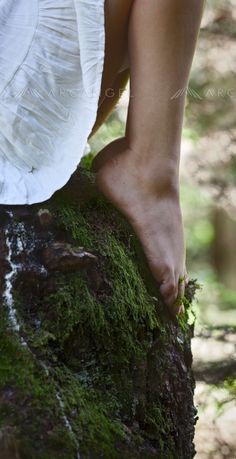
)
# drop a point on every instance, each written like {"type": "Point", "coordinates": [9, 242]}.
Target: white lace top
{"type": "Point", "coordinates": [51, 64]}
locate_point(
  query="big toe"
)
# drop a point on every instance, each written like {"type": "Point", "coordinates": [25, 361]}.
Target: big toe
{"type": "Point", "coordinates": [169, 291]}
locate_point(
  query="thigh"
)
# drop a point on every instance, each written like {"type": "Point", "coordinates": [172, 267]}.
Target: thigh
{"type": "Point", "coordinates": [116, 48]}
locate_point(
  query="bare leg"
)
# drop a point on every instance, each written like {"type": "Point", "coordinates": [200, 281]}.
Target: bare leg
{"type": "Point", "coordinates": [112, 95]}
{"type": "Point", "coordinates": [142, 179]}
{"type": "Point", "coordinates": [117, 13]}
{"type": "Point", "coordinates": [116, 71]}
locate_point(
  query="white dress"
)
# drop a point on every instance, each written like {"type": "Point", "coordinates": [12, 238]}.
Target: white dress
{"type": "Point", "coordinates": [51, 64]}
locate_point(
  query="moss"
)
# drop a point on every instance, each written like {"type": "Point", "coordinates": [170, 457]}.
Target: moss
{"type": "Point", "coordinates": [93, 336]}
{"type": "Point", "coordinates": [124, 311]}
{"type": "Point", "coordinates": [230, 386]}
{"type": "Point", "coordinates": [72, 219]}
{"type": "Point", "coordinates": [158, 427]}
{"type": "Point", "coordinates": [86, 161]}
{"type": "Point", "coordinates": [129, 290]}
{"type": "Point", "coordinates": [73, 306]}
{"type": "Point", "coordinates": [97, 426]}
{"type": "Point", "coordinates": [113, 325]}
{"type": "Point", "coordinates": [110, 324]}
{"type": "Point", "coordinates": [37, 418]}
{"type": "Point", "coordinates": [24, 385]}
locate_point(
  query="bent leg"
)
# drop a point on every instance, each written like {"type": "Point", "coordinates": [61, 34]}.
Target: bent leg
{"type": "Point", "coordinates": [117, 14]}
{"type": "Point", "coordinates": [112, 96]}
{"type": "Point", "coordinates": [142, 179]}
{"type": "Point", "coordinates": [116, 72]}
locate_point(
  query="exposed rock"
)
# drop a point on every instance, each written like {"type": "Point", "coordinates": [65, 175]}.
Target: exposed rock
{"type": "Point", "coordinates": [60, 256]}
{"type": "Point", "coordinates": [45, 217]}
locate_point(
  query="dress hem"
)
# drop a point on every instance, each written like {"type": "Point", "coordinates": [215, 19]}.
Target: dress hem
{"type": "Point", "coordinates": [26, 184]}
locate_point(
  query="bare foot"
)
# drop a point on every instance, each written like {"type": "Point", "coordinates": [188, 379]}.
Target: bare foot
{"type": "Point", "coordinates": [153, 209]}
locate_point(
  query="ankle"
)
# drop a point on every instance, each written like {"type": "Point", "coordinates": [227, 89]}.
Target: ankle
{"type": "Point", "coordinates": [157, 172]}
{"type": "Point", "coordinates": [163, 183]}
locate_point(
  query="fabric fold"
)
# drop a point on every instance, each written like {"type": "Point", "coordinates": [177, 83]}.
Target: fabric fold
{"type": "Point", "coordinates": [49, 98]}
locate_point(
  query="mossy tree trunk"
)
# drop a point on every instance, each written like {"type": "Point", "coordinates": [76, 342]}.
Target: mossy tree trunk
{"type": "Point", "coordinates": [91, 364]}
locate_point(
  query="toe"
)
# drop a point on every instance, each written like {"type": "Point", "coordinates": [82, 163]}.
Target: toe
{"type": "Point", "coordinates": [181, 291]}
{"type": "Point", "coordinates": [181, 285]}
{"type": "Point", "coordinates": [169, 290]}
{"type": "Point", "coordinates": [186, 277]}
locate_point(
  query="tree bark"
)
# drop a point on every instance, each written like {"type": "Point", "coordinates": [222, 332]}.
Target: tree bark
{"type": "Point", "coordinates": [91, 364]}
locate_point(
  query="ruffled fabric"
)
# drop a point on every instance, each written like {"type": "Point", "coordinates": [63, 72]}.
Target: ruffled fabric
{"type": "Point", "coordinates": [51, 64]}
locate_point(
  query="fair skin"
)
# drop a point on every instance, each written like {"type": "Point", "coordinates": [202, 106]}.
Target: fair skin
{"type": "Point", "coordinates": [139, 173]}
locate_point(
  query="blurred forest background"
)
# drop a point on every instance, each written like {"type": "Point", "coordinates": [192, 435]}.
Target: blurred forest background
{"type": "Point", "coordinates": [208, 193]}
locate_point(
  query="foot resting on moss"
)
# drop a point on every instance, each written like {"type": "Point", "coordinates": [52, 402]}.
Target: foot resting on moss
{"type": "Point", "coordinates": [151, 204]}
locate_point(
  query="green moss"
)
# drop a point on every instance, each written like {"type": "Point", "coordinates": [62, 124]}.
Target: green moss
{"type": "Point", "coordinates": [36, 416]}
{"type": "Point", "coordinates": [158, 427]}
{"type": "Point", "coordinates": [113, 324]}
{"type": "Point", "coordinates": [97, 426]}
{"type": "Point", "coordinates": [130, 296]}
{"type": "Point", "coordinates": [124, 311]}
{"type": "Point", "coordinates": [73, 306]}
{"type": "Point", "coordinates": [72, 219]}
{"type": "Point", "coordinates": [90, 339]}
{"type": "Point", "coordinates": [86, 160]}
{"type": "Point", "coordinates": [187, 319]}
{"type": "Point", "coordinates": [30, 407]}
{"type": "Point", "coordinates": [230, 385]}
